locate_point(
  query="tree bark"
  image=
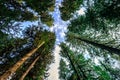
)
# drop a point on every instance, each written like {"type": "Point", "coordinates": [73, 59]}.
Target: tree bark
{"type": "Point", "coordinates": [13, 69]}
{"type": "Point", "coordinates": [30, 67]}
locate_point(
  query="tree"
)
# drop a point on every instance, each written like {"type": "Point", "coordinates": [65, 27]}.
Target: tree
{"type": "Point", "coordinates": [24, 10]}
{"type": "Point", "coordinates": [30, 67]}
{"type": "Point", "coordinates": [13, 50]}
{"type": "Point", "coordinates": [93, 26]}
{"type": "Point", "coordinates": [13, 13]}
{"type": "Point", "coordinates": [109, 6]}
{"type": "Point", "coordinates": [63, 70]}
{"type": "Point", "coordinates": [92, 52]}
{"type": "Point", "coordinates": [85, 67]}
{"type": "Point", "coordinates": [34, 36]}
{"type": "Point", "coordinates": [19, 63]}
{"type": "Point", "coordinates": [45, 53]}
{"type": "Point", "coordinates": [69, 7]}
{"type": "Point", "coordinates": [71, 62]}
{"type": "Point", "coordinates": [95, 43]}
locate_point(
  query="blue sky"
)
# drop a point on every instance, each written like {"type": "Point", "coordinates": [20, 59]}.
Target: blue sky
{"type": "Point", "coordinates": [60, 26]}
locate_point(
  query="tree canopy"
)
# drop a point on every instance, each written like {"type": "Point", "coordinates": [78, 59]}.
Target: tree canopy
{"type": "Point", "coordinates": [90, 51]}
{"type": "Point", "coordinates": [69, 7]}
{"type": "Point", "coordinates": [25, 10]}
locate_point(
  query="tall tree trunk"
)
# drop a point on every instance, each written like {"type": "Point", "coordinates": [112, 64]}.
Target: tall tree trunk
{"type": "Point", "coordinates": [103, 46]}
{"type": "Point", "coordinates": [30, 67]}
{"type": "Point", "coordinates": [73, 66]}
{"type": "Point", "coordinates": [13, 69]}
{"type": "Point", "coordinates": [81, 71]}
{"type": "Point", "coordinates": [83, 74]}
{"type": "Point", "coordinates": [72, 63]}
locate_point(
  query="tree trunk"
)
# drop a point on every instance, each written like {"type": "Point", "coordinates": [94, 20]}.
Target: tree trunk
{"type": "Point", "coordinates": [30, 67]}
{"type": "Point", "coordinates": [102, 46]}
{"type": "Point", "coordinates": [73, 66]}
{"type": "Point", "coordinates": [83, 74]}
{"type": "Point", "coordinates": [13, 69]}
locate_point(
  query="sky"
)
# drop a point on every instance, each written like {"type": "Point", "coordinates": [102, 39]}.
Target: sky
{"type": "Point", "coordinates": [60, 28]}
{"type": "Point", "coordinates": [54, 75]}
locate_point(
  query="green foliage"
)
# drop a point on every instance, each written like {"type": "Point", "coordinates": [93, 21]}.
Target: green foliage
{"type": "Point", "coordinates": [69, 7]}
{"type": "Point", "coordinates": [39, 5]}
{"type": "Point", "coordinates": [13, 11]}
{"type": "Point", "coordinates": [97, 17]}
{"type": "Point", "coordinates": [63, 70]}
{"type": "Point", "coordinates": [86, 68]}
{"type": "Point", "coordinates": [108, 6]}
{"type": "Point", "coordinates": [42, 8]}
{"type": "Point", "coordinates": [17, 48]}
{"type": "Point", "coordinates": [78, 25]}
{"type": "Point", "coordinates": [24, 10]}
{"type": "Point", "coordinates": [45, 52]}
{"type": "Point", "coordinates": [95, 26]}
{"type": "Point", "coordinates": [73, 67]}
{"type": "Point", "coordinates": [103, 75]}
{"type": "Point", "coordinates": [47, 19]}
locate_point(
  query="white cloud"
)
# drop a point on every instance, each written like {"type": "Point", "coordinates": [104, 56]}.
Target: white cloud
{"type": "Point", "coordinates": [81, 11]}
